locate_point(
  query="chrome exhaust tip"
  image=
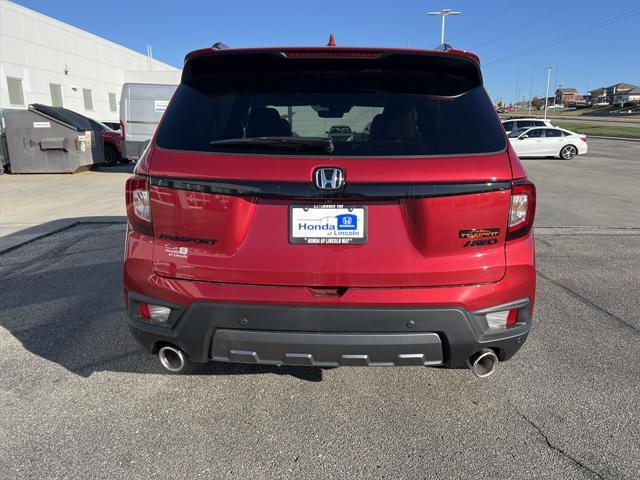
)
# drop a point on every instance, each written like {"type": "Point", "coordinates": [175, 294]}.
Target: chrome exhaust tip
{"type": "Point", "coordinates": [172, 358]}
{"type": "Point", "coordinates": [483, 363]}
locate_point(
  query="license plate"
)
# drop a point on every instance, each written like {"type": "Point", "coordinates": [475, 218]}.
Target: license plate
{"type": "Point", "coordinates": [328, 224]}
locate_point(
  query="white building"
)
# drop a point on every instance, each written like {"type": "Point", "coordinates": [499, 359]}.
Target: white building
{"type": "Point", "coordinates": [43, 60]}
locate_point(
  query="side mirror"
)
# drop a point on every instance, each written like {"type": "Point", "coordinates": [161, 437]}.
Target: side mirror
{"type": "Point", "coordinates": [524, 136]}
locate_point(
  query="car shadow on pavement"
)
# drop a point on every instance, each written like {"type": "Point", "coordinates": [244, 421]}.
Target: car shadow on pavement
{"type": "Point", "coordinates": [62, 298]}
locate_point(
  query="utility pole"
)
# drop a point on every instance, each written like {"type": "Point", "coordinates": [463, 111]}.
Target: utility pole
{"type": "Point", "coordinates": [557, 86]}
{"type": "Point", "coordinates": [515, 101]}
{"type": "Point", "coordinates": [445, 12]}
{"type": "Point", "coordinates": [530, 92]}
{"type": "Point", "coordinates": [519, 101]}
{"type": "Point", "coordinates": [546, 97]}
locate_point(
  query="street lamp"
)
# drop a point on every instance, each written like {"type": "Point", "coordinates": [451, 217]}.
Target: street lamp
{"type": "Point", "coordinates": [546, 97]}
{"type": "Point", "coordinates": [445, 12]}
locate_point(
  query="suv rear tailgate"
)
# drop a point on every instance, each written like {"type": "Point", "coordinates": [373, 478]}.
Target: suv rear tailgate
{"type": "Point", "coordinates": [425, 168]}
{"type": "Point", "coordinates": [411, 241]}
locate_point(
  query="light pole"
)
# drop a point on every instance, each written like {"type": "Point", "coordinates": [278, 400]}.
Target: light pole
{"type": "Point", "coordinates": [546, 97]}
{"type": "Point", "coordinates": [515, 100]}
{"type": "Point", "coordinates": [518, 104]}
{"type": "Point", "coordinates": [445, 12]}
{"type": "Point", "coordinates": [530, 92]}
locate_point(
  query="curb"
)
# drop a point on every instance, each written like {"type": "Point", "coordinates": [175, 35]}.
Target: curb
{"type": "Point", "coordinates": [613, 138]}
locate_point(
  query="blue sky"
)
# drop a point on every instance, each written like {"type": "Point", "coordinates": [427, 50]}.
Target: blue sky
{"type": "Point", "coordinates": [497, 30]}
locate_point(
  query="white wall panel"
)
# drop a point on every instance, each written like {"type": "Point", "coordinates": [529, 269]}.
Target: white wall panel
{"type": "Point", "coordinates": [36, 48]}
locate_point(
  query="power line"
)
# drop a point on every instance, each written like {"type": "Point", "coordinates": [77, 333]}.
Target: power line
{"type": "Point", "coordinates": [564, 38]}
{"type": "Point", "coordinates": [519, 28]}
{"type": "Point", "coordinates": [486, 20]}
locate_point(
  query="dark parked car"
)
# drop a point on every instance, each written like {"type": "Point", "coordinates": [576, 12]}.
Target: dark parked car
{"type": "Point", "coordinates": [112, 141]}
{"type": "Point", "coordinates": [340, 132]}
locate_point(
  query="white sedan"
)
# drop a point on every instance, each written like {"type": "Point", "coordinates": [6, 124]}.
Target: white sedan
{"type": "Point", "coordinates": [548, 142]}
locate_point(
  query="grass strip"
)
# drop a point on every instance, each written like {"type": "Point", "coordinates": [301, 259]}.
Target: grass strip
{"type": "Point", "coordinates": [600, 130]}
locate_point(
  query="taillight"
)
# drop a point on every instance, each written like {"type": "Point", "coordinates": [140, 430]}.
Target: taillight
{"type": "Point", "coordinates": [523, 208]}
{"type": "Point", "coordinates": [584, 139]}
{"type": "Point", "coordinates": [122, 130]}
{"type": "Point", "coordinates": [502, 319]}
{"type": "Point", "coordinates": [139, 204]}
{"type": "Point", "coordinates": [156, 313]}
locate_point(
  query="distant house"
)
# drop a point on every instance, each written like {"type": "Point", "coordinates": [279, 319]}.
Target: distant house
{"type": "Point", "coordinates": [632, 95]}
{"type": "Point", "coordinates": [569, 96]}
{"type": "Point", "coordinates": [608, 95]}
{"type": "Point", "coordinates": [598, 97]}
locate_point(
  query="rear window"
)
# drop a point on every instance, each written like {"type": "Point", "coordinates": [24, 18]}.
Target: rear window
{"type": "Point", "coordinates": [361, 112]}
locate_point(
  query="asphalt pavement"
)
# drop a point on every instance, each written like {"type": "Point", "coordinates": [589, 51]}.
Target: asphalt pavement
{"type": "Point", "coordinates": [601, 188]}
{"type": "Point", "coordinates": [80, 399]}
{"type": "Point", "coordinates": [39, 204]}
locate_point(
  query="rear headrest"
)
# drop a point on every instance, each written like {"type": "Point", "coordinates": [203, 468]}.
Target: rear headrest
{"type": "Point", "coordinates": [266, 122]}
{"type": "Point", "coordinates": [396, 122]}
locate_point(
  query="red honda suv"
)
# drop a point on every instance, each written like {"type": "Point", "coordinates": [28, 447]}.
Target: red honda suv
{"type": "Point", "coordinates": [255, 235]}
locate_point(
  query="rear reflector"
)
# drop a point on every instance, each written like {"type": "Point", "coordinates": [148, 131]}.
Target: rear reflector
{"type": "Point", "coordinates": [523, 208]}
{"type": "Point", "coordinates": [502, 320]}
{"type": "Point", "coordinates": [156, 313]}
{"type": "Point", "coordinates": [143, 309]}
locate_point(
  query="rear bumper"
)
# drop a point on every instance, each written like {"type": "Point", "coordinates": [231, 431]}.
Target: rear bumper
{"type": "Point", "coordinates": [289, 325]}
{"type": "Point", "coordinates": [583, 148]}
{"type": "Point", "coordinates": [327, 336]}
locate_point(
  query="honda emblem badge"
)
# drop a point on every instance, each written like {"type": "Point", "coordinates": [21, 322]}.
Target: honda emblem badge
{"type": "Point", "coordinates": [329, 178]}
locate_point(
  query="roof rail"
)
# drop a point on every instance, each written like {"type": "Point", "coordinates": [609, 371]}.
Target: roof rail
{"type": "Point", "coordinates": [444, 47]}
{"type": "Point", "coordinates": [220, 46]}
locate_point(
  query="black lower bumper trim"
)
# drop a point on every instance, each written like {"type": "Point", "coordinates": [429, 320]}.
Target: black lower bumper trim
{"type": "Point", "coordinates": [327, 349]}
{"type": "Point", "coordinates": [327, 336]}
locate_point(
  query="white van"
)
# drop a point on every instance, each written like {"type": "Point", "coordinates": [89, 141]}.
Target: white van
{"type": "Point", "coordinates": [141, 108]}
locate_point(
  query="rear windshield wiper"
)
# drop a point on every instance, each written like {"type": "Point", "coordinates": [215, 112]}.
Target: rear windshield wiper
{"type": "Point", "coordinates": [295, 143]}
